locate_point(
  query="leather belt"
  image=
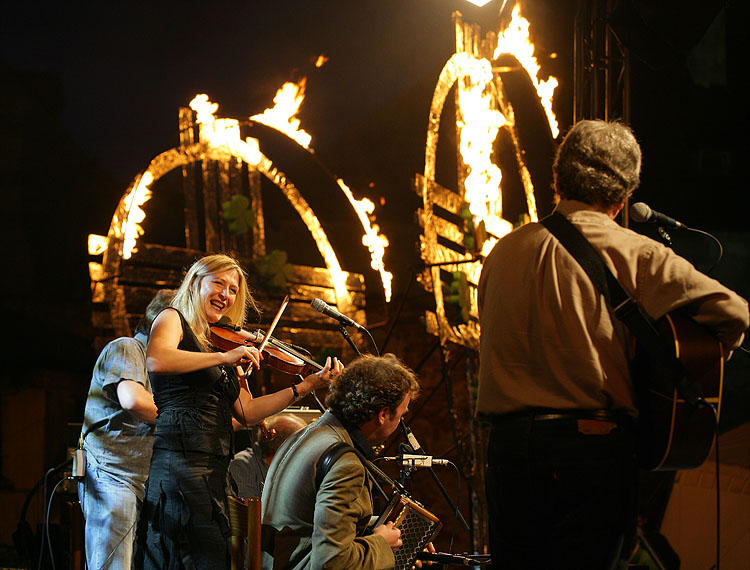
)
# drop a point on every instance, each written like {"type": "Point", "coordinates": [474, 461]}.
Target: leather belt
{"type": "Point", "coordinates": [545, 414]}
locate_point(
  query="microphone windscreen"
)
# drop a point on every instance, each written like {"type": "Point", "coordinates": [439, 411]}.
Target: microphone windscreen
{"type": "Point", "coordinates": [318, 304]}
{"type": "Point", "coordinates": [640, 212]}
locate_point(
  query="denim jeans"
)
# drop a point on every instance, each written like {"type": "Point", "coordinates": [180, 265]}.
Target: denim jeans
{"type": "Point", "coordinates": [559, 498]}
{"type": "Point", "coordinates": [110, 507]}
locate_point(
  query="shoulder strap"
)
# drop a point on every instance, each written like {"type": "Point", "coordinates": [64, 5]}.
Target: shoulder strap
{"type": "Point", "coordinates": [624, 307]}
{"type": "Point", "coordinates": [332, 454]}
{"type": "Point", "coordinates": [329, 457]}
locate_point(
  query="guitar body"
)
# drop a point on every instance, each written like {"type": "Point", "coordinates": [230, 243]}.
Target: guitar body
{"type": "Point", "coordinates": [673, 434]}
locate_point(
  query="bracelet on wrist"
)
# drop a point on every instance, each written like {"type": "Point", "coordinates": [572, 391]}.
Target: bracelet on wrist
{"type": "Point", "coordinates": [297, 397]}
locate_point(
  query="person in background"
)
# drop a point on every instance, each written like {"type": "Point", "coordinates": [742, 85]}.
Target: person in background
{"type": "Point", "coordinates": [117, 434]}
{"type": "Point", "coordinates": [184, 522]}
{"type": "Point", "coordinates": [250, 466]}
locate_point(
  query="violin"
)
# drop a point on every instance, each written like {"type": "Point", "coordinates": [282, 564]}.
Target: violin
{"type": "Point", "coordinates": [276, 354]}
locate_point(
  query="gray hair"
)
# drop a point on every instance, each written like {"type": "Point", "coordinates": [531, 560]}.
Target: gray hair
{"type": "Point", "coordinates": [598, 163]}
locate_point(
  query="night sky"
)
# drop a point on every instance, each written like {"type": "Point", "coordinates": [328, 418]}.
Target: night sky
{"type": "Point", "coordinates": [91, 95]}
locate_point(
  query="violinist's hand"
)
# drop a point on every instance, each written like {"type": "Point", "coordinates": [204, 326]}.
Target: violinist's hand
{"type": "Point", "coordinates": [324, 376]}
{"type": "Point", "coordinates": [244, 355]}
{"type": "Point", "coordinates": [390, 533]}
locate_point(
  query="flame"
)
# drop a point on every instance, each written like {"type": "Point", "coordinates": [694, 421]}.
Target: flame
{"type": "Point", "coordinates": [321, 61]}
{"type": "Point", "coordinates": [281, 116]}
{"type": "Point", "coordinates": [515, 41]}
{"type": "Point", "coordinates": [374, 241]}
{"type": "Point", "coordinates": [223, 133]}
{"type": "Point", "coordinates": [478, 129]}
{"type": "Point", "coordinates": [131, 225]}
{"type": "Point", "coordinates": [97, 244]}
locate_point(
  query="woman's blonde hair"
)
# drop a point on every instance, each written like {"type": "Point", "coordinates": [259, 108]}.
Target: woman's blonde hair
{"type": "Point", "coordinates": [187, 298]}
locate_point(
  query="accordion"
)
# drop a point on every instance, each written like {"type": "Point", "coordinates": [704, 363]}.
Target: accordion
{"type": "Point", "coordinates": [418, 526]}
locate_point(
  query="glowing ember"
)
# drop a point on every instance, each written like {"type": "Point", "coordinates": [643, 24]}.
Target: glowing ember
{"type": "Point", "coordinates": [321, 61]}
{"type": "Point", "coordinates": [515, 41]}
{"type": "Point", "coordinates": [282, 115]}
{"type": "Point", "coordinates": [97, 244]}
{"type": "Point", "coordinates": [131, 225]}
{"type": "Point", "coordinates": [374, 241]}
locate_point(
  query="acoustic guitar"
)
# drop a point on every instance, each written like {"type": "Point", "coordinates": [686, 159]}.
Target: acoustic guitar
{"type": "Point", "coordinates": [672, 433]}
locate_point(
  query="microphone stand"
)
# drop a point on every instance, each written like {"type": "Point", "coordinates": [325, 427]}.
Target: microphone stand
{"type": "Point", "coordinates": [406, 471]}
{"type": "Point", "coordinates": [345, 334]}
{"type": "Point", "coordinates": [665, 237]}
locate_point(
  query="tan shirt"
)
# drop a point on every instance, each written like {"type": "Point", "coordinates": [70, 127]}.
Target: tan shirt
{"type": "Point", "coordinates": [548, 337]}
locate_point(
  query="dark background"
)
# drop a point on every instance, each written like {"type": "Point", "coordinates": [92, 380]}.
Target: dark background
{"type": "Point", "coordinates": [90, 95]}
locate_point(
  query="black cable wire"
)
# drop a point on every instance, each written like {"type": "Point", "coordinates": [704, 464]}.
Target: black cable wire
{"type": "Point", "coordinates": [458, 502]}
{"type": "Point", "coordinates": [46, 526]}
{"type": "Point", "coordinates": [721, 248]}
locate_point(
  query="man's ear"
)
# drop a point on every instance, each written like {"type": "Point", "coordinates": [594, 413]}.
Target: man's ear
{"type": "Point", "coordinates": [382, 416]}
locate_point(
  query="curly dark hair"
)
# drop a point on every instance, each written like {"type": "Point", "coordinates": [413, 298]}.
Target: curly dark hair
{"type": "Point", "coordinates": [369, 384]}
{"type": "Point", "coordinates": [598, 163]}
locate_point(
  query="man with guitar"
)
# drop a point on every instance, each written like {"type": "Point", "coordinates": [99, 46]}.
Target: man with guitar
{"type": "Point", "coordinates": [554, 379]}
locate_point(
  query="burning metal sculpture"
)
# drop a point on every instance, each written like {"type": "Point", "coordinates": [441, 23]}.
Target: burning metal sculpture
{"type": "Point", "coordinates": [209, 140]}
{"type": "Point", "coordinates": [482, 110]}
{"type": "Point", "coordinates": [461, 226]}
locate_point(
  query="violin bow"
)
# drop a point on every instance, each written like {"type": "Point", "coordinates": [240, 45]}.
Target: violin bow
{"type": "Point", "coordinates": [265, 340]}
{"type": "Point", "coordinates": [268, 334]}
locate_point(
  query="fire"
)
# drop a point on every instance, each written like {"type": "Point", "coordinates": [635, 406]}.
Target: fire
{"type": "Point", "coordinates": [131, 228]}
{"type": "Point", "coordinates": [223, 133]}
{"type": "Point", "coordinates": [321, 61]}
{"type": "Point", "coordinates": [374, 241]}
{"type": "Point", "coordinates": [515, 41]}
{"type": "Point", "coordinates": [281, 116]}
{"type": "Point", "coordinates": [478, 129]}
{"type": "Point", "coordinates": [97, 244]}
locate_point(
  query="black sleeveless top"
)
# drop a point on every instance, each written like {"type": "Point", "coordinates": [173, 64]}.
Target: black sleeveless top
{"type": "Point", "coordinates": [195, 408]}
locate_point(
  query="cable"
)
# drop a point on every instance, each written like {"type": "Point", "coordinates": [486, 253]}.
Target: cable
{"type": "Point", "coordinates": [46, 525]}
{"type": "Point", "coordinates": [458, 502]}
{"type": "Point", "coordinates": [372, 340]}
{"type": "Point", "coordinates": [111, 554]}
{"type": "Point", "coordinates": [721, 249]}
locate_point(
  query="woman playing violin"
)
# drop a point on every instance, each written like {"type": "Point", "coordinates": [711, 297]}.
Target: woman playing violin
{"type": "Point", "coordinates": [184, 521]}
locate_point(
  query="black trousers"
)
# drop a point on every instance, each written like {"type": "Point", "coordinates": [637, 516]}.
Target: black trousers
{"type": "Point", "coordinates": [561, 492]}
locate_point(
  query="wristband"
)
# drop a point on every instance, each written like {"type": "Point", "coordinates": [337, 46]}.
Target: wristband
{"type": "Point", "coordinates": [297, 397]}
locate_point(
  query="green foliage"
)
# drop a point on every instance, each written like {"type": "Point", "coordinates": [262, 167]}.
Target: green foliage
{"type": "Point", "coordinates": [458, 295]}
{"type": "Point", "coordinates": [275, 269]}
{"type": "Point", "coordinates": [238, 214]}
{"type": "Point", "coordinates": [469, 242]}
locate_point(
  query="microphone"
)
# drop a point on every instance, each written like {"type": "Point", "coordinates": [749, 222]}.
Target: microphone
{"type": "Point", "coordinates": [323, 307]}
{"type": "Point", "coordinates": [408, 460]}
{"type": "Point", "coordinates": [641, 213]}
{"type": "Point", "coordinates": [413, 443]}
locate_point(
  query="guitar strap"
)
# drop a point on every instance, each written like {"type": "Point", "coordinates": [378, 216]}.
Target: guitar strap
{"type": "Point", "coordinates": [624, 307]}
{"type": "Point", "coordinates": [339, 448]}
